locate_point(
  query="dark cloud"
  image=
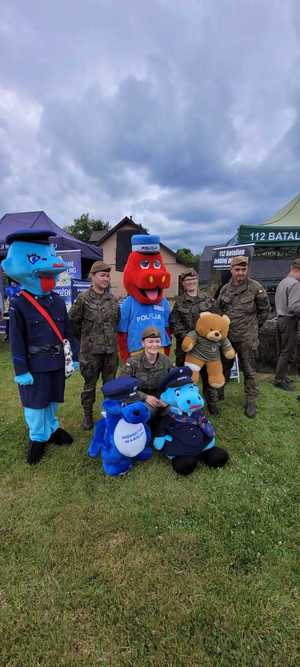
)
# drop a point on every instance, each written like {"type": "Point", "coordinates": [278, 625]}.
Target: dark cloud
{"type": "Point", "coordinates": [185, 115]}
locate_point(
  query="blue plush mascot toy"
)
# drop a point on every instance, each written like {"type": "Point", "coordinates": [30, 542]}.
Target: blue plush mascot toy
{"type": "Point", "coordinates": [184, 434]}
{"type": "Point", "coordinates": [122, 436]}
{"type": "Point", "coordinates": [38, 353]}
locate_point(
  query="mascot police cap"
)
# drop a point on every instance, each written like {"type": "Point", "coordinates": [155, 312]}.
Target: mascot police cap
{"type": "Point", "coordinates": [177, 377]}
{"type": "Point", "coordinates": [30, 236]}
{"type": "Point", "coordinates": [145, 243]}
{"type": "Point", "coordinates": [121, 389]}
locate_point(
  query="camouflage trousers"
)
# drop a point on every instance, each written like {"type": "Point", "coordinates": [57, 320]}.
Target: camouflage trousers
{"type": "Point", "coordinates": [246, 355]}
{"type": "Point", "coordinates": [90, 368]}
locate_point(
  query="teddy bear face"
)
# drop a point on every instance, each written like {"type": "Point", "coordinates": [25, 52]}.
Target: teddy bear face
{"type": "Point", "coordinates": [212, 326]}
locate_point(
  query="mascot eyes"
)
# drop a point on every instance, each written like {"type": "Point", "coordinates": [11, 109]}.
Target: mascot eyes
{"type": "Point", "coordinates": [144, 264]}
{"type": "Point", "coordinates": [156, 264]}
{"type": "Point", "coordinates": [34, 258]}
{"type": "Point", "coordinates": [177, 392]}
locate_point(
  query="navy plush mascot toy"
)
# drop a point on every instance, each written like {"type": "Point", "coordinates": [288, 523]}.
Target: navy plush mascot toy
{"type": "Point", "coordinates": [183, 433]}
{"type": "Point", "coordinates": [122, 436]}
{"type": "Point", "coordinates": [38, 354]}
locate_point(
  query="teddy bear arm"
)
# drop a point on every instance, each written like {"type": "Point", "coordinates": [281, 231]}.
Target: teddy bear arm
{"type": "Point", "coordinates": [187, 344]}
{"type": "Point", "coordinates": [227, 350]}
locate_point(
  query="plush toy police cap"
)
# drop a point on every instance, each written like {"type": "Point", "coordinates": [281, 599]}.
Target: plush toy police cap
{"type": "Point", "coordinates": [31, 236]}
{"type": "Point", "coordinates": [239, 260]}
{"type": "Point", "coordinates": [177, 377]}
{"type": "Point", "coordinates": [121, 389]}
{"type": "Point", "coordinates": [151, 332]}
{"type": "Point", "coordinates": [145, 243]}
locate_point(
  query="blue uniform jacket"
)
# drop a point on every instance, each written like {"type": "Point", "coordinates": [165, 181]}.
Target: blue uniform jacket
{"type": "Point", "coordinates": [189, 438]}
{"type": "Point", "coordinates": [29, 329]}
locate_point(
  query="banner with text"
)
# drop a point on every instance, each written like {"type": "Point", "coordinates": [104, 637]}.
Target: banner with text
{"type": "Point", "coordinates": [64, 285]}
{"type": "Point", "coordinates": [265, 235]}
{"type": "Point", "coordinates": [222, 256]}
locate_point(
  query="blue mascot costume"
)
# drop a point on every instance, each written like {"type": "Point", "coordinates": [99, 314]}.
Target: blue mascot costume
{"type": "Point", "coordinates": [122, 436]}
{"type": "Point", "coordinates": [38, 353]}
{"type": "Point", "coordinates": [183, 433]}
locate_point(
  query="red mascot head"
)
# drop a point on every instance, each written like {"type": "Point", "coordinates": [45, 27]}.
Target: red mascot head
{"type": "Point", "coordinates": [145, 275]}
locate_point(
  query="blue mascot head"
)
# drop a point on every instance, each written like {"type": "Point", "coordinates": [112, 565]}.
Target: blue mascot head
{"type": "Point", "coordinates": [180, 393]}
{"type": "Point", "coordinates": [31, 260]}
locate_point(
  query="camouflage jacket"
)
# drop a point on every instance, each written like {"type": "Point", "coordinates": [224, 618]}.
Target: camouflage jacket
{"type": "Point", "coordinates": [247, 306]}
{"type": "Point", "coordinates": [94, 318]}
{"type": "Point", "coordinates": [150, 375]}
{"type": "Point", "coordinates": [186, 311]}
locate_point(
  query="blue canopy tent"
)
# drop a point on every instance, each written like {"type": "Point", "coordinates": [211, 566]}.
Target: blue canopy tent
{"type": "Point", "coordinates": [11, 222]}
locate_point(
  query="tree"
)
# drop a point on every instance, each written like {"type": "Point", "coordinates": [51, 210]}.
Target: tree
{"type": "Point", "coordinates": [83, 227]}
{"type": "Point", "coordinates": [185, 256]}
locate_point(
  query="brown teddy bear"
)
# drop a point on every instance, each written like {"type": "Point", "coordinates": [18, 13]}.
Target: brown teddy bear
{"type": "Point", "coordinates": [204, 346]}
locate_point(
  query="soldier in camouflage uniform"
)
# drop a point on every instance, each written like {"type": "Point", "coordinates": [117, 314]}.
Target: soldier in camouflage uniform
{"type": "Point", "coordinates": [94, 317]}
{"type": "Point", "coordinates": [247, 305]}
{"type": "Point", "coordinates": [183, 318]}
{"type": "Point", "coordinates": [150, 367]}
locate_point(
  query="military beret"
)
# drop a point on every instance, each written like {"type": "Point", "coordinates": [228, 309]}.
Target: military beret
{"type": "Point", "coordinates": [100, 266]}
{"type": "Point", "coordinates": [121, 389]}
{"type": "Point", "coordinates": [177, 377]}
{"type": "Point", "coordinates": [239, 260]}
{"type": "Point", "coordinates": [145, 243]}
{"type": "Point", "coordinates": [31, 236]}
{"type": "Point", "coordinates": [151, 332]}
{"type": "Point", "coordinates": [191, 273]}
{"type": "Point", "coordinates": [296, 263]}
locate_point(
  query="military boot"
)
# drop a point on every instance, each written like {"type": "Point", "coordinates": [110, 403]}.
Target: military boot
{"type": "Point", "coordinates": [211, 396]}
{"type": "Point", "coordinates": [88, 421]}
{"type": "Point", "coordinates": [250, 409]}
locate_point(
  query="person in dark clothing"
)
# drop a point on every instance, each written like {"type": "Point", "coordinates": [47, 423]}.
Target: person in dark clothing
{"type": "Point", "coordinates": [183, 318]}
{"type": "Point", "coordinates": [36, 346]}
{"type": "Point", "coordinates": [247, 305]}
{"type": "Point", "coordinates": [227, 363]}
{"type": "Point", "coordinates": [287, 302]}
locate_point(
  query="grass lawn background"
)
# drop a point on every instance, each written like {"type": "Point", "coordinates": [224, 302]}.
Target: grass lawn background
{"type": "Point", "coordinates": [152, 568]}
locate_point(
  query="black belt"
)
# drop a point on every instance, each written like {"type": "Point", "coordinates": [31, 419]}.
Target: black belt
{"type": "Point", "coordinates": [54, 349]}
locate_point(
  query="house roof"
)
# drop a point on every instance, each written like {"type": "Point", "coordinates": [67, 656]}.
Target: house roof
{"type": "Point", "coordinates": [139, 228]}
{"type": "Point", "coordinates": [11, 222]}
{"type": "Point", "coordinates": [288, 216]}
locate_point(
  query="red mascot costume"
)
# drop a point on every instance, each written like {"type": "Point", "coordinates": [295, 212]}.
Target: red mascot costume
{"type": "Point", "coordinates": [145, 278]}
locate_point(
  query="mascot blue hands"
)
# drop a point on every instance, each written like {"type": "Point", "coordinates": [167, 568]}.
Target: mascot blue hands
{"type": "Point", "coordinates": [41, 354]}
{"type": "Point", "coordinates": [184, 434]}
{"type": "Point", "coordinates": [123, 435]}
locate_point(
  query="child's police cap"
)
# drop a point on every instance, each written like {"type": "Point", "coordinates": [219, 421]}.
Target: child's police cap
{"type": "Point", "coordinates": [121, 389]}
{"type": "Point", "coordinates": [177, 377]}
{"type": "Point", "coordinates": [30, 236]}
{"type": "Point", "coordinates": [145, 243]}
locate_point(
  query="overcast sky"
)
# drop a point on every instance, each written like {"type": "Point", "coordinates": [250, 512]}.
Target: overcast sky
{"type": "Point", "coordinates": [183, 114]}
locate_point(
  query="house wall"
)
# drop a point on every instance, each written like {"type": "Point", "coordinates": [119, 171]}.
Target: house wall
{"type": "Point", "coordinates": [109, 256]}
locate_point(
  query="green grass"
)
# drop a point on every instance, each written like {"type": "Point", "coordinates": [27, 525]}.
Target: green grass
{"type": "Point", "coordinates": [151, 569]}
